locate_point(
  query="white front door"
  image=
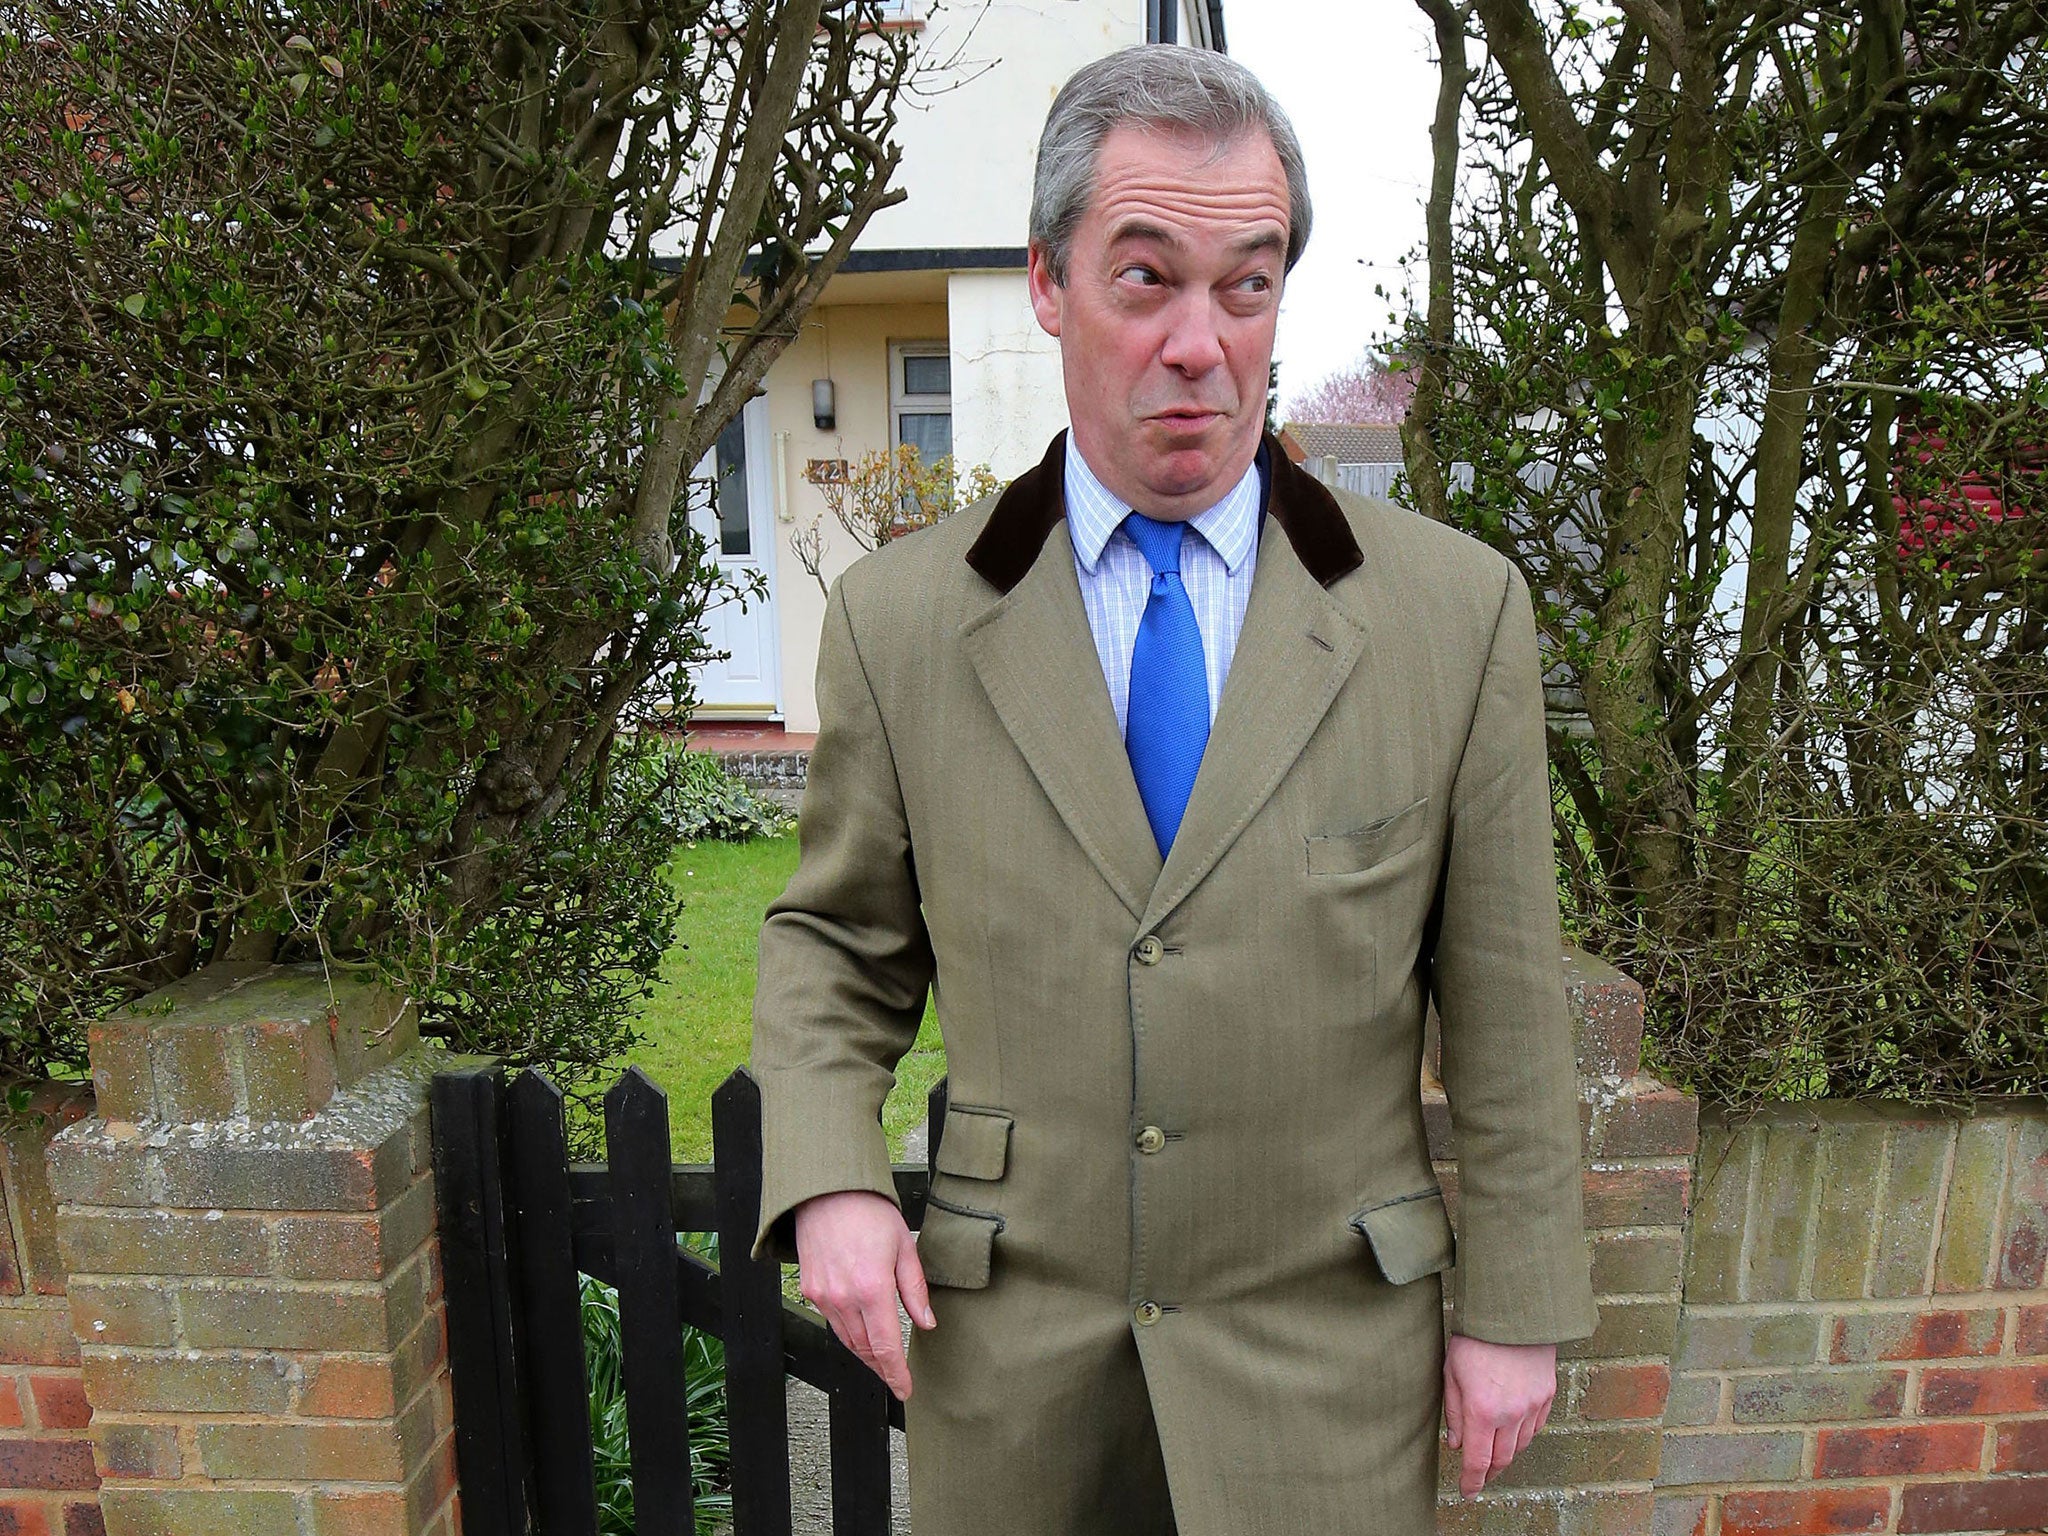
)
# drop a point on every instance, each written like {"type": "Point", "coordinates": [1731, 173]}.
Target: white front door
{"type": "Point", "coordinates": [740, 525]}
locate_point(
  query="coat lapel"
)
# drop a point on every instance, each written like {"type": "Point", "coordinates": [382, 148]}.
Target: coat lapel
{"type": "Point", "coordinates": [1035, 656]}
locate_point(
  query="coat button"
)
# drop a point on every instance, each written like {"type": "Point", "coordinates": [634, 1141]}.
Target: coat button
{"type": "Point", "coordinates": [1146, 1312]}
{"type": "Point", "coordinates": [1151, 1139]}
{"type": "Point", "coordinates": [1150, 949]}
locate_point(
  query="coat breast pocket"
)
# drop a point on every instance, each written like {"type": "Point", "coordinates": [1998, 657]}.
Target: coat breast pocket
{"type": "Point", "coordinates": [1350, 853]}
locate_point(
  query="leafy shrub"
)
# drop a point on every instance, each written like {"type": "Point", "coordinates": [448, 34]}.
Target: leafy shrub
{"type": "Point", "coordinates": [709, 803]}
{"type": "Point", "coordinates": [554, 975]}
{"type": "Point", "coordinates": [346, 495]}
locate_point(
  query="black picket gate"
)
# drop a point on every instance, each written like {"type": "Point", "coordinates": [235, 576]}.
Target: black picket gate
{"type": "Point", "coordinates": [519, 1222]}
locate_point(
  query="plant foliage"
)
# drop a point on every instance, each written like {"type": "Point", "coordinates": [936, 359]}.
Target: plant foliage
{"type": "Point", "coordinates": [704, 1392]}
{"type": "Point", "coordinates": [347, 418]}
{"type": "Point", "coordinates": [1736, 344]}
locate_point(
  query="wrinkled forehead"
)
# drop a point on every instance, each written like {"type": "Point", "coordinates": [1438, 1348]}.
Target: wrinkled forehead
{"type": "Point", "coordinates": [1171, 185]}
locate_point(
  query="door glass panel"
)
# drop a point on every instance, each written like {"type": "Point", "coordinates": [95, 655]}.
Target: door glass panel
{"type": "Point", "coordinates": [930, 374]}
{"type": "Point", "coordinates": [929, 432]}
{"type": "Point", "coordinates": [735, 532]}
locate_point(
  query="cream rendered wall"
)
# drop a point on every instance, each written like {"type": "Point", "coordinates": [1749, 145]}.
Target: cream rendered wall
{"type": "Point", "coordinates": [849, 344]}
{"type": "Point", "coordinates": [989, 69]}
{"type": "Point", "coordinates": [1008, 398]}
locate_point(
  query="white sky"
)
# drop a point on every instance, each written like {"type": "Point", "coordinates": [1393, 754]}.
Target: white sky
{"type": "Point", "coordinates": [1356, 79]}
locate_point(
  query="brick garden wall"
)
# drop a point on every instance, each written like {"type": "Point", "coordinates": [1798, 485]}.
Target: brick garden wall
{"type": "Point", "coordinates": [1864, 1341]}
{"type": "Point", "coordinates": [48, 1485]}
{"type": "Point", "coordinates": [1593, 1469]}
{"type": "Point", "coordinates": [220, 1297]}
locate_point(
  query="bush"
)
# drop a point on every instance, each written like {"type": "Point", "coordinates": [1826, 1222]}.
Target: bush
{"type": "Point", "coordinates": [346, 438]}
{"type": "Point", "coordinates": [555, 975]}
{"type": "Point", "coordinates": [709, 803]}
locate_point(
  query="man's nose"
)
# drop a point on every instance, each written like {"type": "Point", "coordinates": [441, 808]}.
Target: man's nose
{"type": "Point", "coordinates": [1193, 345]}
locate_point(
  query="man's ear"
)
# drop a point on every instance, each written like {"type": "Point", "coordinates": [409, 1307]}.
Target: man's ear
{"type": "Point", "coordinates": [1046, 295]}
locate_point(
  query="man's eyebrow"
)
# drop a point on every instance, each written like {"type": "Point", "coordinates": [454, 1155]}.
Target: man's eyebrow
{"type": "Point", "coordinates": [1138, 229]}
{"type": "Point", "coordinates": [1264, 240]}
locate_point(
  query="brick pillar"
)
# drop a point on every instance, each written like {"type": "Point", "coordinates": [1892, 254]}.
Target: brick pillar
{"type": "Point", "coordinates": [47, 1480]}
{"type": "Point", "coordinates": [1593, 1469]}
{"type": "Point", "coordinates": [255, 1289]}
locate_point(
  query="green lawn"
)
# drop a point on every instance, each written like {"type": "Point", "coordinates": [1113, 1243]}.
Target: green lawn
{"type": "Point", "coordinates": [699, 1018]}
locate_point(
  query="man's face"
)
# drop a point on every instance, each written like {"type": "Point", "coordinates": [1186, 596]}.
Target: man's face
{"type": "Point", "coordinates": [1166, 320]}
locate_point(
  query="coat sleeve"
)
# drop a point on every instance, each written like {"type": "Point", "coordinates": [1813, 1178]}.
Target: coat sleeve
{"type": "Point", "coordinates": [1523, 1274]}
{"type": "Point", "coordinates": [845, 961]}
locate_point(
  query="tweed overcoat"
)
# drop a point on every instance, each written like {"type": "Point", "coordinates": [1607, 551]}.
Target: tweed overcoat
{"type": "Point", "coordinates": [1187, 1252]}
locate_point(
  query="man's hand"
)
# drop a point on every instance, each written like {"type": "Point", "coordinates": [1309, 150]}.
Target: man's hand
{"type": "Point", "coordinates": [1496, 1396]}
{"type": "Point", "coordinates": [855, 1255]}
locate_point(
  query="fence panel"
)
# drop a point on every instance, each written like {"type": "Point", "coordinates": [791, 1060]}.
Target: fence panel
{"type": "Point", "coordinates": [520, 1223]}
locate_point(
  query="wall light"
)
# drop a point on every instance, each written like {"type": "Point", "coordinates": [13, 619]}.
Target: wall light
{"type": "Point", "coordinates": [821, 404]}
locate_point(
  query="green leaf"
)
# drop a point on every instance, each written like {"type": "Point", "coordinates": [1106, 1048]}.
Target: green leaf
{"type": "Point", "coordinates": [135, 304]}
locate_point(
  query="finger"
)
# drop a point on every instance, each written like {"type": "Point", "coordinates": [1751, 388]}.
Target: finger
{"type": "Point", "coordinates": [1478, 1460]}
{"type": "Point", "coordinates": [917, 1299]}
{"type": "Point", "coordinates": [885, 1334]}
{"type": "Point", "coordinates": [1454, 1406]}
{"type": "Point", "coordinates": [851, 1327]}
{"type": "Point", "coordinates": [1525, 1433]}
{"type": "Point", "coordinates": [1503, 1451]}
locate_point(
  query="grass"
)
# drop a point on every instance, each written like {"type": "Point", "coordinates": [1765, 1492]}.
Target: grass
{"type": "Point", "coordinates": [700, 1017]}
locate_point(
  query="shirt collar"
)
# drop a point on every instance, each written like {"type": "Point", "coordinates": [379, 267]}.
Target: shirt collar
{"type": "Point", "coordinates": [1094, 513]}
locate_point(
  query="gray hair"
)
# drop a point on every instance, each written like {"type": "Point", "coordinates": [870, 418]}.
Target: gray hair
{"type": "Point", "coordinates": [1159, 85]}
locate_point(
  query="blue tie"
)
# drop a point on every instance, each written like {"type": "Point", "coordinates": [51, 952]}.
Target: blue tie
{"type": "Point", "coordinates": [1167, 719]}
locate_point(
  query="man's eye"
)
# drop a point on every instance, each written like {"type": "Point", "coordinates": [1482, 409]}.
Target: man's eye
{"type": "Point", "coordinates": [1139, 274]}
{"type": "Point", "coordinates": [1258, 282]}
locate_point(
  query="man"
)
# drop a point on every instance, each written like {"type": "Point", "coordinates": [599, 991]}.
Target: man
{"type": "Point", "coordinates": [1184, 815]}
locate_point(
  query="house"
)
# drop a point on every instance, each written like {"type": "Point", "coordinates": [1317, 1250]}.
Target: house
{"type": "Point", "coordinates": [924, 336]}
{"type": "Point", "coordinates": [1359, 456]}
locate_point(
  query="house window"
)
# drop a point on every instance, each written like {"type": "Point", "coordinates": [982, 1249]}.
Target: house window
{"type": "Point", "coordinates": [1162, 21]}
{"type": "Point", "coordinates": [921, 397]}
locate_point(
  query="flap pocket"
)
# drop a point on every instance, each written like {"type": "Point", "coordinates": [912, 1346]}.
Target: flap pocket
{"type": "Point", "coordinates": [1410, 1235]}
{"type": "Point", "coordinates": [1346, 853]}
{"type": "Point", "coordinates": [954, 1243]}
{"type": "Point", "coordinates": [975, 1143]}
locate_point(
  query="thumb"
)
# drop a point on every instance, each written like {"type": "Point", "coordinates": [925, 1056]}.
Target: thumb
{"type": "Point", "coordinates": [1454, 1410]}
{"type": "Point", "coordinates": [910, 1285]}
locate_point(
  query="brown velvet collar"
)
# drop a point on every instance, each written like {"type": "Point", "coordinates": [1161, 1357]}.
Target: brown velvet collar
{"type": "Point", "coordinates": [1036, 501]}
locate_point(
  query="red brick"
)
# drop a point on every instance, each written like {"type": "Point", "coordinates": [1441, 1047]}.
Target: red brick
{"type": "Point", "coordinates": [24, 1517]}
{"type": "Point", "coordinates": [83, 1520]}
{"type": "Point", "coordinates": [2033, 1331]}
{"type": "Point", "coordinates": [37, 1336]}
{"type": "Point", "coordinates": [1958, 1390]}
{"type": "Point", "coordinates": [1944, 1335]}
{"type": "Point", "coordinates": [60, 1400]}
{"type": "Point", "coordinates": [1894, 1451]}
{"type": "Point", "coordinates": [1625, 1391]}
{"type": "Point", "coordinates": [47, 1464]}
{"type": "Point", "coordinates": [2021, 1446]}
{"type": "Point", "coordinates": [10, 1403]}
{"type": "Point", "coordinates": [1978, 1504]}
{"type": "Point", "coordinates": [341, 1388]}
{"type": "Point", "coordinates": [1805, 1512]}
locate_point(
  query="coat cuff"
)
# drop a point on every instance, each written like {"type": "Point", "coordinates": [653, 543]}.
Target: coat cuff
{"type": "Point", "coordinates": [800, 1161]}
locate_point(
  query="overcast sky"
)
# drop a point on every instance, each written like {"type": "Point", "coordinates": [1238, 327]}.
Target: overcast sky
{"type": "Point", "coordinates": [1356, 78]}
